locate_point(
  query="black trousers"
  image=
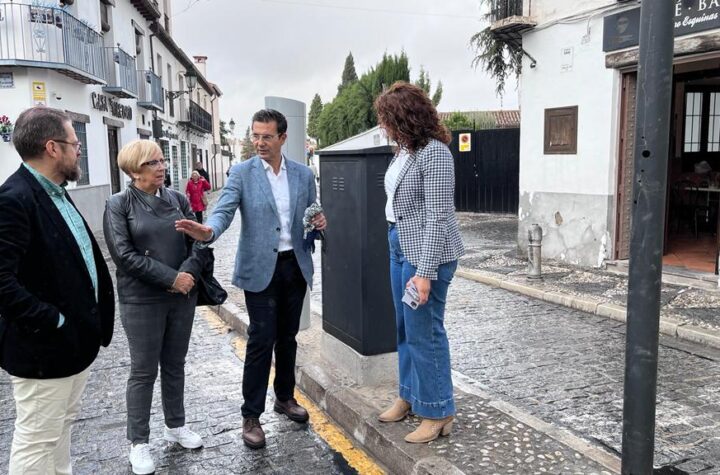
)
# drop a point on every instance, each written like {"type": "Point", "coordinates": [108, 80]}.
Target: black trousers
{"type": "Point", "coordinates": [199, 216]}
{"type": "Point", "coordinates": [274, 322]}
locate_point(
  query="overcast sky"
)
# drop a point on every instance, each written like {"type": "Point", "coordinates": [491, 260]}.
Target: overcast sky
{"type": "Point", "coordinates": [296, 48]}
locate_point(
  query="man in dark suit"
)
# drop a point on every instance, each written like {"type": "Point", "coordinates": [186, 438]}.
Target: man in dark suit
{"type": "Point", "coordinates": [56, 297]}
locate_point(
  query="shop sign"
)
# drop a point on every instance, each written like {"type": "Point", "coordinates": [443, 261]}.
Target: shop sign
{"type": "Point", "coordinates": [622, 30]}
{"type": "Point", "coordinates": [108, 104]}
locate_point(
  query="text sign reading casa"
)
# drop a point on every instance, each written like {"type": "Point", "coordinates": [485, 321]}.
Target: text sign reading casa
{"type": "Point", "coordinates": [108, 104]}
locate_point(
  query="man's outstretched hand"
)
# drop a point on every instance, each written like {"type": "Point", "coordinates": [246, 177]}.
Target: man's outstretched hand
{"type": "Point", "coordinates": [195, 230]}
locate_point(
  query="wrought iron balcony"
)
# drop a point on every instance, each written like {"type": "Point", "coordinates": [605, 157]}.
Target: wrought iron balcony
{"type": "Point", "coordinates": [509, 20]}
{"type": "Point", "coordinates": [122, 79]}
{"type": "Point", "coordinates": [51, 38]}
{"type": "Point", "coordinates": [194, 116]}
{"type": "Point", "coordinates": [151, 95]}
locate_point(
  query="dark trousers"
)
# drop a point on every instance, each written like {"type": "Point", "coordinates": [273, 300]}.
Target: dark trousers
{"type": "Point", "coordinates": [274, 322]}
{"type": "Point", "coordinates": [158, 334]}
{"type": "Point", "coordinates": [199, 216]}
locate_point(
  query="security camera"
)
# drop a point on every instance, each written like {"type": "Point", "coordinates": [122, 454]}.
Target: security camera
{"type": "Point", "coordinates": [58, 97]}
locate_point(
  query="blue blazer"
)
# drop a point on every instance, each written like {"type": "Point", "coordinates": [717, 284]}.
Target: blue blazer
{"type": "Point", "coordinates": [248, 190]}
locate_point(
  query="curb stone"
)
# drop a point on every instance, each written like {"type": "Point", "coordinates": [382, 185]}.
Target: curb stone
{"type": "Point", "coordinates": [668, 326]}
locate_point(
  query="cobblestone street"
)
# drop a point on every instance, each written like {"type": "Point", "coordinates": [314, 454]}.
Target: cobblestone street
{"type": "Point", "coordinates": [566, 366]}
{"type": "Point", "coordinates": [562, 365]}
{"type": "Point", "coordinates": [212, 398]}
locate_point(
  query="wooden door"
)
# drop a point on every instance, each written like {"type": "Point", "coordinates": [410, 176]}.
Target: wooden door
{"type": "Point", "coordinates": [626, 166]}
{"type": "Point", "coordinates": [112, 156]}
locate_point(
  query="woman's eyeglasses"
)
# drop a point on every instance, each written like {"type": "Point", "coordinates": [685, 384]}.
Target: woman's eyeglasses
{"type": "Point", "coordinates": [156, 163]}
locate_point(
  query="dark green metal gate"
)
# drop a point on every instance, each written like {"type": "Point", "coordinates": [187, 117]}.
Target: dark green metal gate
{"type": "Point", "coordinates": [487, 177]}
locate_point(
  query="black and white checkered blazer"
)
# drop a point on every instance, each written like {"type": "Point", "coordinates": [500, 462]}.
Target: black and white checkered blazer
{"type": "Point", "coordinates": [424, 208]}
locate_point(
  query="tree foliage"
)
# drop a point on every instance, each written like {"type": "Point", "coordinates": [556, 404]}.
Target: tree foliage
{"type": "Point", "coordinates": [314, 116]}
{"type": "Point", "coordinates": [349, 74]}
{"type": "Point", "coordinates": [458, 121]}
{"type": "Point", "coordinates": [473, 121]}
{"type": "Point", "coordinates": [351, 112]}
{"type": "Point", "coordinates": [424, 83]}
{"type": "Point", "coordinates": [500, 59]}
{"type": "Point", "coordinates": [248, 149]}
{"type": "Point", "coordinates": [224, 132]}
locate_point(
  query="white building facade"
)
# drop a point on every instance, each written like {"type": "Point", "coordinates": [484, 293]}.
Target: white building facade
{"type": "Point", "coordinates": [577, 101]}
{"type": "Point", "coordinates": [111, 65]}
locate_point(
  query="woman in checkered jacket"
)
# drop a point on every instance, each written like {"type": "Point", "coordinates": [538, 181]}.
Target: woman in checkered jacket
{"type": "Point", "coordinates": [425, 245]}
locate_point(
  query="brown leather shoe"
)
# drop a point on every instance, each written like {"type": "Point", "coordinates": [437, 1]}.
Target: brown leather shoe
{"type": "Point", "coordinates": [430, 429]}
{"type": "Point", "coordinates": [292, 409]}
{"type": "Point", "coordinates": [253, 435]}
{"type": "Point", "coordinates": [396, 412]}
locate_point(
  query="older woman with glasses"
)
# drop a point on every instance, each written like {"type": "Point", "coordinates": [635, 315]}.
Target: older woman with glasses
{"type": "Point", "coordinates": [156, 277]}
{"type": "Point", "coordinates": [425, 245]}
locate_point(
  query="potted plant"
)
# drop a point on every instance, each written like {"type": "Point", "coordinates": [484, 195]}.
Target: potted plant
{"type": "Point", "coordinates": [6, 128]}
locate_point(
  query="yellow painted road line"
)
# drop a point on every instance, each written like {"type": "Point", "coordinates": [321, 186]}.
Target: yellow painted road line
{"type": "Point", "coordinates": [321, 424]}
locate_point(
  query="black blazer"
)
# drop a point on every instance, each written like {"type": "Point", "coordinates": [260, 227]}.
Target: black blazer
{"type": "Point", "coordinates": [42, 274]}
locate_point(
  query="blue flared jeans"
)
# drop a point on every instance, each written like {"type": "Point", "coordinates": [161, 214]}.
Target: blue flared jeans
{"type": "Point", "coordinates": [425, 378]}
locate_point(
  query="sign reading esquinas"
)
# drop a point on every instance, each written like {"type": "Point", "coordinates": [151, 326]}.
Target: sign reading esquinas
{"type": "Point", "coordinates": [622, 30]}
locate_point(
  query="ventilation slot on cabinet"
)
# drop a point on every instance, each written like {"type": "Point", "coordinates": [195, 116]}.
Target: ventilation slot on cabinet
{"type": "Point", "coordinates": [338, 183]}
{"type": "Point", "coordinates": [381, 180]}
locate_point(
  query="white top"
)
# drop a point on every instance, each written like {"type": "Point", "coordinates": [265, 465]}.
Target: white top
{"type": "Point", "coordinates": [281, 192]}
{"type": "Point", "coordinates": [391, 176]}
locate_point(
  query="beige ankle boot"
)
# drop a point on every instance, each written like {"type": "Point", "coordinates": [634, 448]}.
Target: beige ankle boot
{"type": "Point", "coordinates": [430, 429]}
{"type": "Point", "coordinates": [396, 412]}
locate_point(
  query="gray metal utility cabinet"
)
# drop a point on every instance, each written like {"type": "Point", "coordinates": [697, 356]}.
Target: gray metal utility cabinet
{"type": "Point", "coordinates": [357, 303]}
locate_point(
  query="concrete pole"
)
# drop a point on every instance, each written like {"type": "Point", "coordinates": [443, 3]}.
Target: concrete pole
{"type": "Point", "coordinates": [655, 76]}
{"type": "Point", "coordinates": [294, 112]}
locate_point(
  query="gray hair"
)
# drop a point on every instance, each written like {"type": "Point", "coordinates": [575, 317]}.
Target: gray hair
{"type": "Point", "coordinates": [35, 126]}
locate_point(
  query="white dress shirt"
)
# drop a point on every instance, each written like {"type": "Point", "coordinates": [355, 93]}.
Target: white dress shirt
{"type": "Point", "coordinates": [391, 176]}
{"type": "Point", "coordinates": [281, 192]}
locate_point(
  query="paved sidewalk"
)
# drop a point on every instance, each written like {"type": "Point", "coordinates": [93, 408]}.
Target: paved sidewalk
{"type": "Point", "coordinates": [493, 258]}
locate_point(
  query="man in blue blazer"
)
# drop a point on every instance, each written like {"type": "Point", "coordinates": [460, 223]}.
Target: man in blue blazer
{"type": "Point", "coordinates": [272, 265]}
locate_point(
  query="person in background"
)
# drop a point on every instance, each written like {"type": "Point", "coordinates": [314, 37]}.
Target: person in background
{"type": "Point", "coordinates": [57, 305]}
{"type": "Point", "coordinates": [201, 170]}
{"type": "Point", "coordinates": [156, 276]}
{"type": "Point", "coordinates": [195, 191]}
{"type": "Point", "coordinates": [425, 245]}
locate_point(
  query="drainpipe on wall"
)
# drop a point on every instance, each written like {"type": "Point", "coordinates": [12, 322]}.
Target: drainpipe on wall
{"type": "Point", "coordinates": [222, 175]}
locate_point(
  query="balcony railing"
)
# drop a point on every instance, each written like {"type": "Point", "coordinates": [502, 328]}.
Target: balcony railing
{"type": "Point", "coordinates": [192, 115]}
{"type": "Point", "coordinates": [122, 78]}
{"type": "Point", "coordinates": [49, 37]}
{"type": "Point", "coordinates": [151, 95]}
{"type": "Point", "coordinates": [509, 19]}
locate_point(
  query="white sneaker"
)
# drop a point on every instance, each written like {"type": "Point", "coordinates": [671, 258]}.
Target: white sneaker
{"type": "Point", "coordinates": [141, 460]}
{"type": "Point", "coordinates": [183, 436]}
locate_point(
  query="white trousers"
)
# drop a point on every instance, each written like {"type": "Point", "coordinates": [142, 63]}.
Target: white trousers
{"type": "Point", "coordinates": [46, 409]}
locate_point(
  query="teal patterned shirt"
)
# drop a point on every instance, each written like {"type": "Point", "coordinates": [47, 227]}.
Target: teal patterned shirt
{"type": "Point", "coordinates": [72, 218]}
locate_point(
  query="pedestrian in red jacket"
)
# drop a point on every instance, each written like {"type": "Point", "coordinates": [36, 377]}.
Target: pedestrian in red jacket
{"type": "Point", "coordinates": [195, 191]}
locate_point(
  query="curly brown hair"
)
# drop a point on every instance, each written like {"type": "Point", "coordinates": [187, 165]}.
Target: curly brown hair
{"type": "Point", "coordinates": [409, 117]}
